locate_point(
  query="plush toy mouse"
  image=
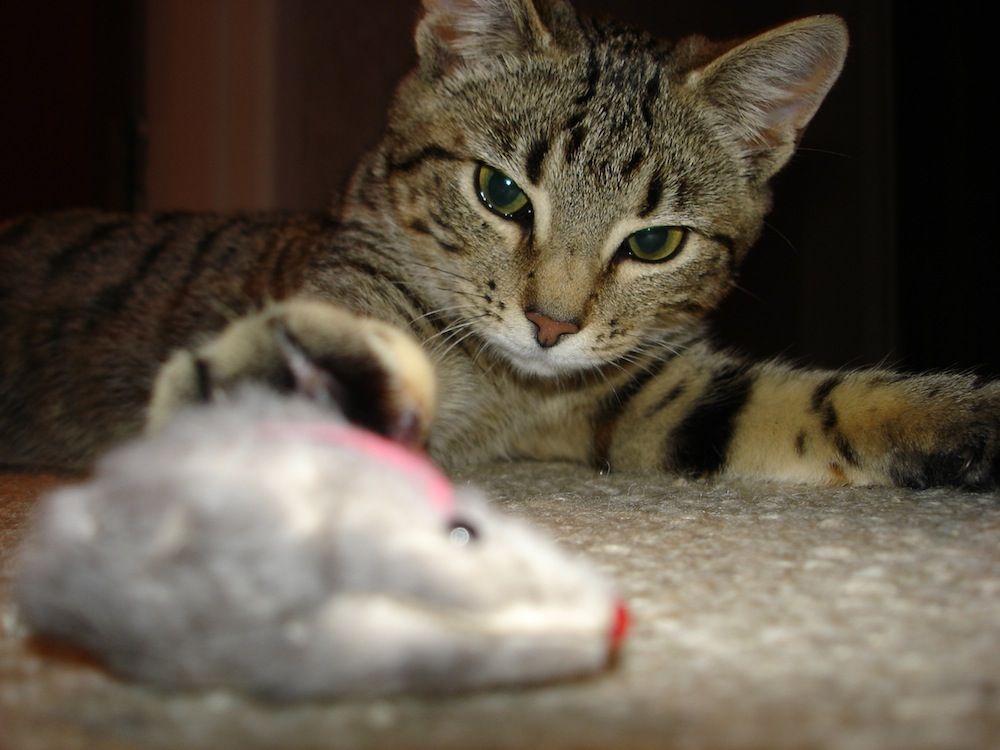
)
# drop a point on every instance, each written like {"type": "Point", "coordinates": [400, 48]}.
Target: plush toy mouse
{"type": "Point", "coordinates": [261, 543]}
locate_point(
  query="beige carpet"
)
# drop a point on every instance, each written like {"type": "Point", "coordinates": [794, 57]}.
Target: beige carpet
{"type": "Point", "coordinates": [765, 617]}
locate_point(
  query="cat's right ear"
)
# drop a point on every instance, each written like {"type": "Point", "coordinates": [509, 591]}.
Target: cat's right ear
{"type": "Point", "coordinates": [455, 33]}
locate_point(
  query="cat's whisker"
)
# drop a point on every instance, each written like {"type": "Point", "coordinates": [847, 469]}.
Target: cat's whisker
{"type": "Point", "coordinates": [597, 371]}
{"type": "Point", "coordinates": [483, 346]}
{"type": "Point", "coordinates": [745, 291]}
{"type": "Point", "coordinates": [488, 347]}
{"type": "Point", "coordinates": [827, 151]}
{"type": "Point", "coordinates": [457, 342]}
{"type": "Point", "coordinates": [656, 347]}
{"type": "Point", "coordinates": [782, 235]}
{"type": "Point", "coordinates": [447, 333]}
{"type": "Point", "coordinates": [441, 270]}
{"type": "Point", "coordinates": [440, 310]}
{"type": "Point", "coordinates": [463, 322]}
{"type": "Point", "coordinates": [457, 291]}
{"type": "Point", "coordinates": [226, 310]}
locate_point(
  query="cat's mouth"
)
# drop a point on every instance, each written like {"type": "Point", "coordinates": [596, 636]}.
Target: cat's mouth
{"type": "Point", "coordinates": [520, 349]}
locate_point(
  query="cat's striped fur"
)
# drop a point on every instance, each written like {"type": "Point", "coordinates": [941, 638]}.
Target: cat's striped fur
{"type": "Point", "coordinates": [547, 338]}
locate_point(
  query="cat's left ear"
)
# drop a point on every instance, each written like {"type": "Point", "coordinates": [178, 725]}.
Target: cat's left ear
{"type": "Point", "coordinates": [766, 90]}
{"type": "Point", "coordinates": [454, 33]}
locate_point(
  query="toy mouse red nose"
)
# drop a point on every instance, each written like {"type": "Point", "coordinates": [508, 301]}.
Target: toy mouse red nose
{"type": "Point", "coordinates": [619, 625]}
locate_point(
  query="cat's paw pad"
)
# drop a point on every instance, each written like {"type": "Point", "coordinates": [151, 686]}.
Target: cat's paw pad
{"type": "Point", "coordinates": [374, 372]}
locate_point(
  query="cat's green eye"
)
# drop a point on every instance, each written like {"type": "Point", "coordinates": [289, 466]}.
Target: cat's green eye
{"type": "Point", "coordinates": [655, 244]}
{"type": "Point", "coordinates": [501, 195]}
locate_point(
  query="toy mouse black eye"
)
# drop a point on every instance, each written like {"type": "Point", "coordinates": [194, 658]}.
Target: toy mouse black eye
{"type": "Point", "coordinates": [461, 532]}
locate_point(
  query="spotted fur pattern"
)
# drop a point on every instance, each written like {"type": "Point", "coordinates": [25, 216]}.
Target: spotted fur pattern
{"type": "Point", "coordinates": [546, 339]}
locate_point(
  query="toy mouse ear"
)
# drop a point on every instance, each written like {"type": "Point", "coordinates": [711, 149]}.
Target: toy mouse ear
{"type": "Point", "coordinates": [308, 378]}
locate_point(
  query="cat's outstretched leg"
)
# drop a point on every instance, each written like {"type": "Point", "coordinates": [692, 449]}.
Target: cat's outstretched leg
{"type": "Point", "coordinates": [375, 373]}
{"type": "Point", "coordinates": [706, 415]}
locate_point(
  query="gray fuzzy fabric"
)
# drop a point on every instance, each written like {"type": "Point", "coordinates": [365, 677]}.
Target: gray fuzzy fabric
{"type": "Point", "coordinates": [766, 616]}
{"type": "Point", "coordinates": [263, 545]}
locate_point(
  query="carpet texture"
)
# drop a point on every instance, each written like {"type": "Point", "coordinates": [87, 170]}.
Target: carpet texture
{"type": "Point", "coordinates": [765, 616]}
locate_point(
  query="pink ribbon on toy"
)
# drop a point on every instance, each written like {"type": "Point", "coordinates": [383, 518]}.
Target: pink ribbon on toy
{"type": "Point", "coordinates": [437, 488]}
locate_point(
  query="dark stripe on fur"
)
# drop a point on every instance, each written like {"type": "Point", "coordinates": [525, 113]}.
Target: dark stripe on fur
{"type": "Point", "coordinates": [576, 138]}
{"type": "Point", "coordinates": [442, 222]}
{"type": "Point", "coordinates": [110, 302]}
{"type": "Point", "coordinates": [820, 403]}
{"type": "Point", "coordinates": [66, 257]}
{"type": "Point", "coordinates": [800, 444]}
{"type": "Point", "coordinates": [823, 391]}
{"type": "Point", "coordinates": [593, 76]}
{"type": "Point", "coordinates": [726, 241]}
{"type": "Point", "coordinates": [614, 405]}
{"type": "Point", "coordinates": [205, 245]}
{"type": "Point", "coordinates": [633, 164]}
{"type": "Point", "coordinates": [700, 444]}
{"type": "Point", "coordinates": [41, 337]}
{"type": "Point", "coordinates": [195, 266]}
{"type": "Point", "coordinates": [421, 227]}
{"type": "Point", "coordinates": [255, 283]}
{"type": "Point", "coordinates": [283, 277]}
{"type": "Point", "coordinates": [575, 120]}
{"type": "Point", "coordinates": [428, 153]}
{"type": "Point", "coordinates": [846, 450]}
{"type": "Point", "coordinates": [356, 227]}
{"type": "Point", "coordinates": [668, 398]}
{"type": "Point", "coordinates": [681, 194]}
{"type": "Point", "coordinates": [654, 193]}
{"type": "Point", "coordinates": [417, 311]}
{"type": "Point", "coordinates": [651, 94]}
{"type": "Point", "coordinates": [444, 244]}
{"type": "Point", "coordinates": [536, 160]}
{"type": "Point", "coordinates": [829, 419]}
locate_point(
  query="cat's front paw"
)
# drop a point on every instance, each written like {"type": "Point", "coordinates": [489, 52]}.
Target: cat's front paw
{"type": "Point", "coordinates": [964, 449]}
{"type": "Point", "coordinates": [374, 372]}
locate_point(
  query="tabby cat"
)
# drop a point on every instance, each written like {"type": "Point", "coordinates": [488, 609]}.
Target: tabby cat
{"type": "Point", "coordinates": [556, 205]}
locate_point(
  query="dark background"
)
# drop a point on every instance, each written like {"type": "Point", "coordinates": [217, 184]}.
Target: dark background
{"type": "Point", "coordinates": [880, 247]}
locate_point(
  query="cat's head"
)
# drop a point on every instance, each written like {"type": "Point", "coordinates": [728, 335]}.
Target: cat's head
{"type": "Point", "coordinates": [572, 192]}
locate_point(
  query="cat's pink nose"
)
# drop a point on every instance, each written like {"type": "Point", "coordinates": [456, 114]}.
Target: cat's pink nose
{"type": "Point", "coordinates": [550, 330]}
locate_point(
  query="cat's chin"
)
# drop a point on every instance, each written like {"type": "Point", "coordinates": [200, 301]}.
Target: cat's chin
{"type": "Point", "coordinates": [534, 361]}
{"type": "Point", "coordinates": [546, 370]}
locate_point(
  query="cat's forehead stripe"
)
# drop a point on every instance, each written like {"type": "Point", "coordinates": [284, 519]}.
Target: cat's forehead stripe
{"type": "Point", "coordinates": [414, 160]}
{"type": "Point", "coordinates": [536, 160]}
{"type": "Point", "coordinates": [654, 193]}
{"type": "Point", "coordinates": [650, 95]}
{"type": "Point", "coordinates": [633, 164]}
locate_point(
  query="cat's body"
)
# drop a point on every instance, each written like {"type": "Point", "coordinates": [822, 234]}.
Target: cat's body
{"type": "Point", "coordinates": [555, 207]}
